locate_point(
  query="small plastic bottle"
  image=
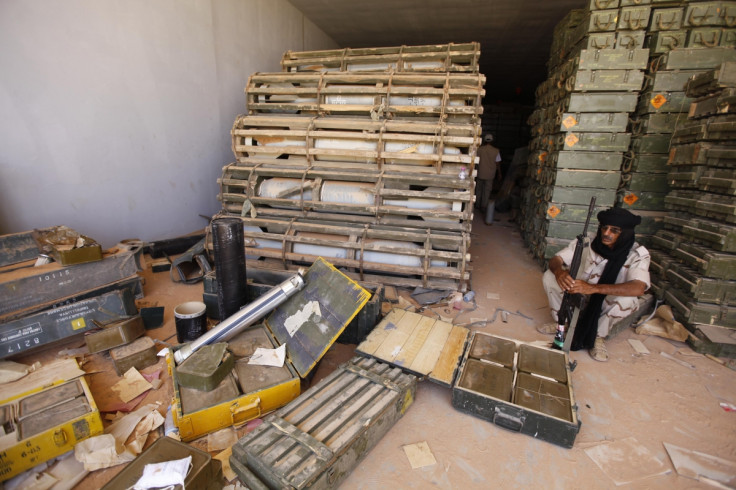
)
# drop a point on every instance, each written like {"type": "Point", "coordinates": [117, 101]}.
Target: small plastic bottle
{"type": "Point", "coordinates": [463, 173]}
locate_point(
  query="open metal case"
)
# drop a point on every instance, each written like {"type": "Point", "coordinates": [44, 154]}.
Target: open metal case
{"type": "Point", "coordinates": [251, 391]}
{"type": "Point", "coordinates": [517, 386]}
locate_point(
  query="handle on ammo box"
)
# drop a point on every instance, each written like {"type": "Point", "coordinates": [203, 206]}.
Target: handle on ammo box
{"type": "Point", "coordinates": [236, 410]}
{"type": "Point", "coordinates": [507, 421]}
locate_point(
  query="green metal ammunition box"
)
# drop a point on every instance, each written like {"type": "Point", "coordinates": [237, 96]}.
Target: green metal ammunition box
{"type": "Point", "coordinates": [719, 181]}
{"type": "Point", "coordinates": [139, 354]}
{"type": "Point", "coordinates": [702, 14]}
{"type": "Point", "coordinates": [690, 311]}
{"type": "Point", "coordinates": [657, 123]}
{"type": "Point", "coordinates": [593, 141]}
{"type": "Point", "coordinates": [699, 288]}
{"type": "Point", "coordinates": [694, 58]}
{"type": "Point", "coordinates": [664, 41]}
{"type": "Point", "coordinates": [617, 59]}
{"type": "Point", "coordinates": [120, 332]}
{"type": "Point", "coordinates": [651, 143]}
{"type": "Point", "coordinates": [651, 102]}
{"type": "Point", "coordinates": [612, 122]}
{"type": "Point", "coordinates": [599, 102]}
{"type": "Point", "coordinates": [704, 37]}
{"type": "Point", "coordinates": [570, 212]}
{"type": "Point", "coordinates": [607, 80]}
{"type": "Point", "coordinates": [716, 235]}
{"type": "Point", "coordinates": [590, 160]}
{"type": "Point", "coordinates": [685, 176]}
{"type": "Point", "coordinates": [633, 18]}
{"type": "Point", "coordinates": [728, 38]}
{"type": "Point", "coordinates": [603, 4]}
{"type": "Point", "coordinates": [666, 19]}
{"type": "Point", "coordinates": [630, 39]}
{"type": "Point", "coordinates": [670, 80]}
{"type": "Point", "coordinates": [708, 262]}
{"type": "Point", "coordinates": [582, 195]}
{"type": "Point", "coordinates": [639, 181]}
{"type": "Point", "coordinates": [206, 368]}
{"type": "Point", "coordinates": [601, 179]}
{"type": "Point", "coordinates": [653, 201]}
{"type": "Point", "coordinates": [648, 163]}
{"type": "Point", "coordinates": [599, 40]}
{"type": "Point", "coordinates": [602, 20]}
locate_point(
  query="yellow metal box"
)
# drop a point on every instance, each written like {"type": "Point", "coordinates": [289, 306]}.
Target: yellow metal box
{"type": "Point", "coordinates": [308, 323]}
{"type": "Point", "coordinates": [41, 425]}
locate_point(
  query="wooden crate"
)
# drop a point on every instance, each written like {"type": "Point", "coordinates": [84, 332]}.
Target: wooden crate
{"type": "Point", "coordinates": [430, 258]}
{"type": "Point", "coordinates": [451, 57]}
{"type": "Point", "coordinates": [425, 201]}
{"type": "Point", "coordinates": [445, 96]}
{"type": "Point", "coordinates": [355, 143]}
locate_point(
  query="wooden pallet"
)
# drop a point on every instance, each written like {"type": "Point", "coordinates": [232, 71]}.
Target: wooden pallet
{"type": "Point", "coordinates": [431, 258]}
{"type": "Point", "coordinates": [446, 96]}
{"type": "Point", "coordinates": [355, 143]}
{"type": "Point", "coordinates": [428, 58]}
{"type": "Point", "coordinates": [367, 197]}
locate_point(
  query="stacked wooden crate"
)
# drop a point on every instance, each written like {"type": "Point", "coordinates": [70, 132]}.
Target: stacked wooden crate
{"type": "Point", "coordinates": [364, 157]}
{"type": "Point", "coordinates": [694, 257]}
{"type": "Point", "coordinates": [580, 125]}
{"type": "Point", "coordinates": [684, 39]}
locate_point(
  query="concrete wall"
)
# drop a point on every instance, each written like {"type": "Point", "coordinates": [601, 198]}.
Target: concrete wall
{"type": "Point", "coordinates": [115, 115]}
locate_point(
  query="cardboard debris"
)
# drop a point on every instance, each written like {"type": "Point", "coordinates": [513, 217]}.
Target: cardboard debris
{"type": "Point", "coordinates": [419, 455]}
{"type": "Point", "coordinates": [131, 386]}
{"type": "Point", "coordinates": [663, 324]}
{"type": "Point", "coordinates": [638, 346]}
{"type": "Point", "coordinates": [701, 466]}
{"type": "Point", "coordinates": [626, 461]}
{"type": "Point", "coordinates": [222, 439]}
{"type": "Point", "coordinates": [101, 452]}
{"type": "Point", "coordinates": [224, 458]}
{"type": "Point", "coordinates": [493, 296]}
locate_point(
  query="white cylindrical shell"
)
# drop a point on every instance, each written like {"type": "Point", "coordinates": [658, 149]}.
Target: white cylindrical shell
{"type": "Point", "coordinates": [275, 186]}
{"type": "Point", "coordinates": [348, 192]}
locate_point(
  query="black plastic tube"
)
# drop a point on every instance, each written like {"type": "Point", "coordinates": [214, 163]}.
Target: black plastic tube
{"type": "Point", "coordinates": [229, 248]}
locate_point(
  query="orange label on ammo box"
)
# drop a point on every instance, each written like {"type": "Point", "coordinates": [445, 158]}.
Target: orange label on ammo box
{"type": "Point", "coordinates": [658, 101]}
{"type": "Point", "coordinates": [553, 211]}
{"type": "Point", "coordinates": [630, 199]}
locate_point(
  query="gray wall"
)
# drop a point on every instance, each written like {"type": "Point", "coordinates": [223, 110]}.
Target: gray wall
{"type": "Point", "coordinates": [115, 116]}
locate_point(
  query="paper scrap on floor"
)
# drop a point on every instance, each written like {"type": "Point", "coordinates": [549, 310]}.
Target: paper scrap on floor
{"type": "Point", "coordinates": [224, 458]}
{"type": "Point", "coordinates": [702, 466]}
{"type": "Point", "coordinates": [626, 461]}
{"type": "Point", "coordinates": [132, 385]}
{"type": "Point", "coordinates": [419, 455]}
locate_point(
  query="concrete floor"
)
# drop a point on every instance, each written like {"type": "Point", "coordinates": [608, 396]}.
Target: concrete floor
{"type": "Point", "coordinates": [643, 400]}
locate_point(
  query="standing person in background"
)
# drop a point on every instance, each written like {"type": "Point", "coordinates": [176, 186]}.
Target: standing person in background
{"type": "Point", "coordinates": [488, 169]}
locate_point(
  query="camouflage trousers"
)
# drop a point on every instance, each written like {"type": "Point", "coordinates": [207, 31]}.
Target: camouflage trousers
{"type": "Point", "coordinates": [614, 308]}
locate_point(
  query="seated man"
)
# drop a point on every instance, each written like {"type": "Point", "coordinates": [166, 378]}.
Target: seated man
{"type": "Point", "coordinates": [612, 274]}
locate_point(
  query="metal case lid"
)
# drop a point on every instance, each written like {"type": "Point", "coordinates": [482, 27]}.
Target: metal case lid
{"type": "Point", "coordinates": [310, 321]}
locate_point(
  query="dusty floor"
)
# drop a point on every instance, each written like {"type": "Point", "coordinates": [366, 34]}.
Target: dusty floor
{"type": "Point", "coordinates": [648, 400]}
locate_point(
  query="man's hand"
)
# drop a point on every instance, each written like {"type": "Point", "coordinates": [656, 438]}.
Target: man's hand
{"type": "Point", "coordinates": [564, 279]}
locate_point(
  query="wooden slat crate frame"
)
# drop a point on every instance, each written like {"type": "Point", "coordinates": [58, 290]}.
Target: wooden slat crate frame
{"type": "Point", "coordinates": [462, 57]}
{"type": "Point", "coordinates": [449, 247]}
{"type": "Point", "coordinates": [419, 147]}
{"type": "Point", "coordinates": [239, 189]}
{"type": "Point", "coordinates": [442, 96]}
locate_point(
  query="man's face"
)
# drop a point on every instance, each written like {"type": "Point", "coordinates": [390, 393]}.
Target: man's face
{"type": "Point", "coordinates": [609, 235]}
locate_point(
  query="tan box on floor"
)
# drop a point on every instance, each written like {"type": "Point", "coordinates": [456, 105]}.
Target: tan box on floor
{"type": "Point", "coordinates": [139, 354]}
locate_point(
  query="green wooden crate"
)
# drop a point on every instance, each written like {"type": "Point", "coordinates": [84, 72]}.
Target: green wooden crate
{"type": "Point", "coordinates": [639, 181]}
{"type": "Point", "coordinates": [650, 101]}
{"type": "Point", "coordinates": [706, 261]}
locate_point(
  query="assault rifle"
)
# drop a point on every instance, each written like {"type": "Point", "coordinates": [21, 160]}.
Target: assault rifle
{"type": "Point", "coordinates": [567, 316]}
